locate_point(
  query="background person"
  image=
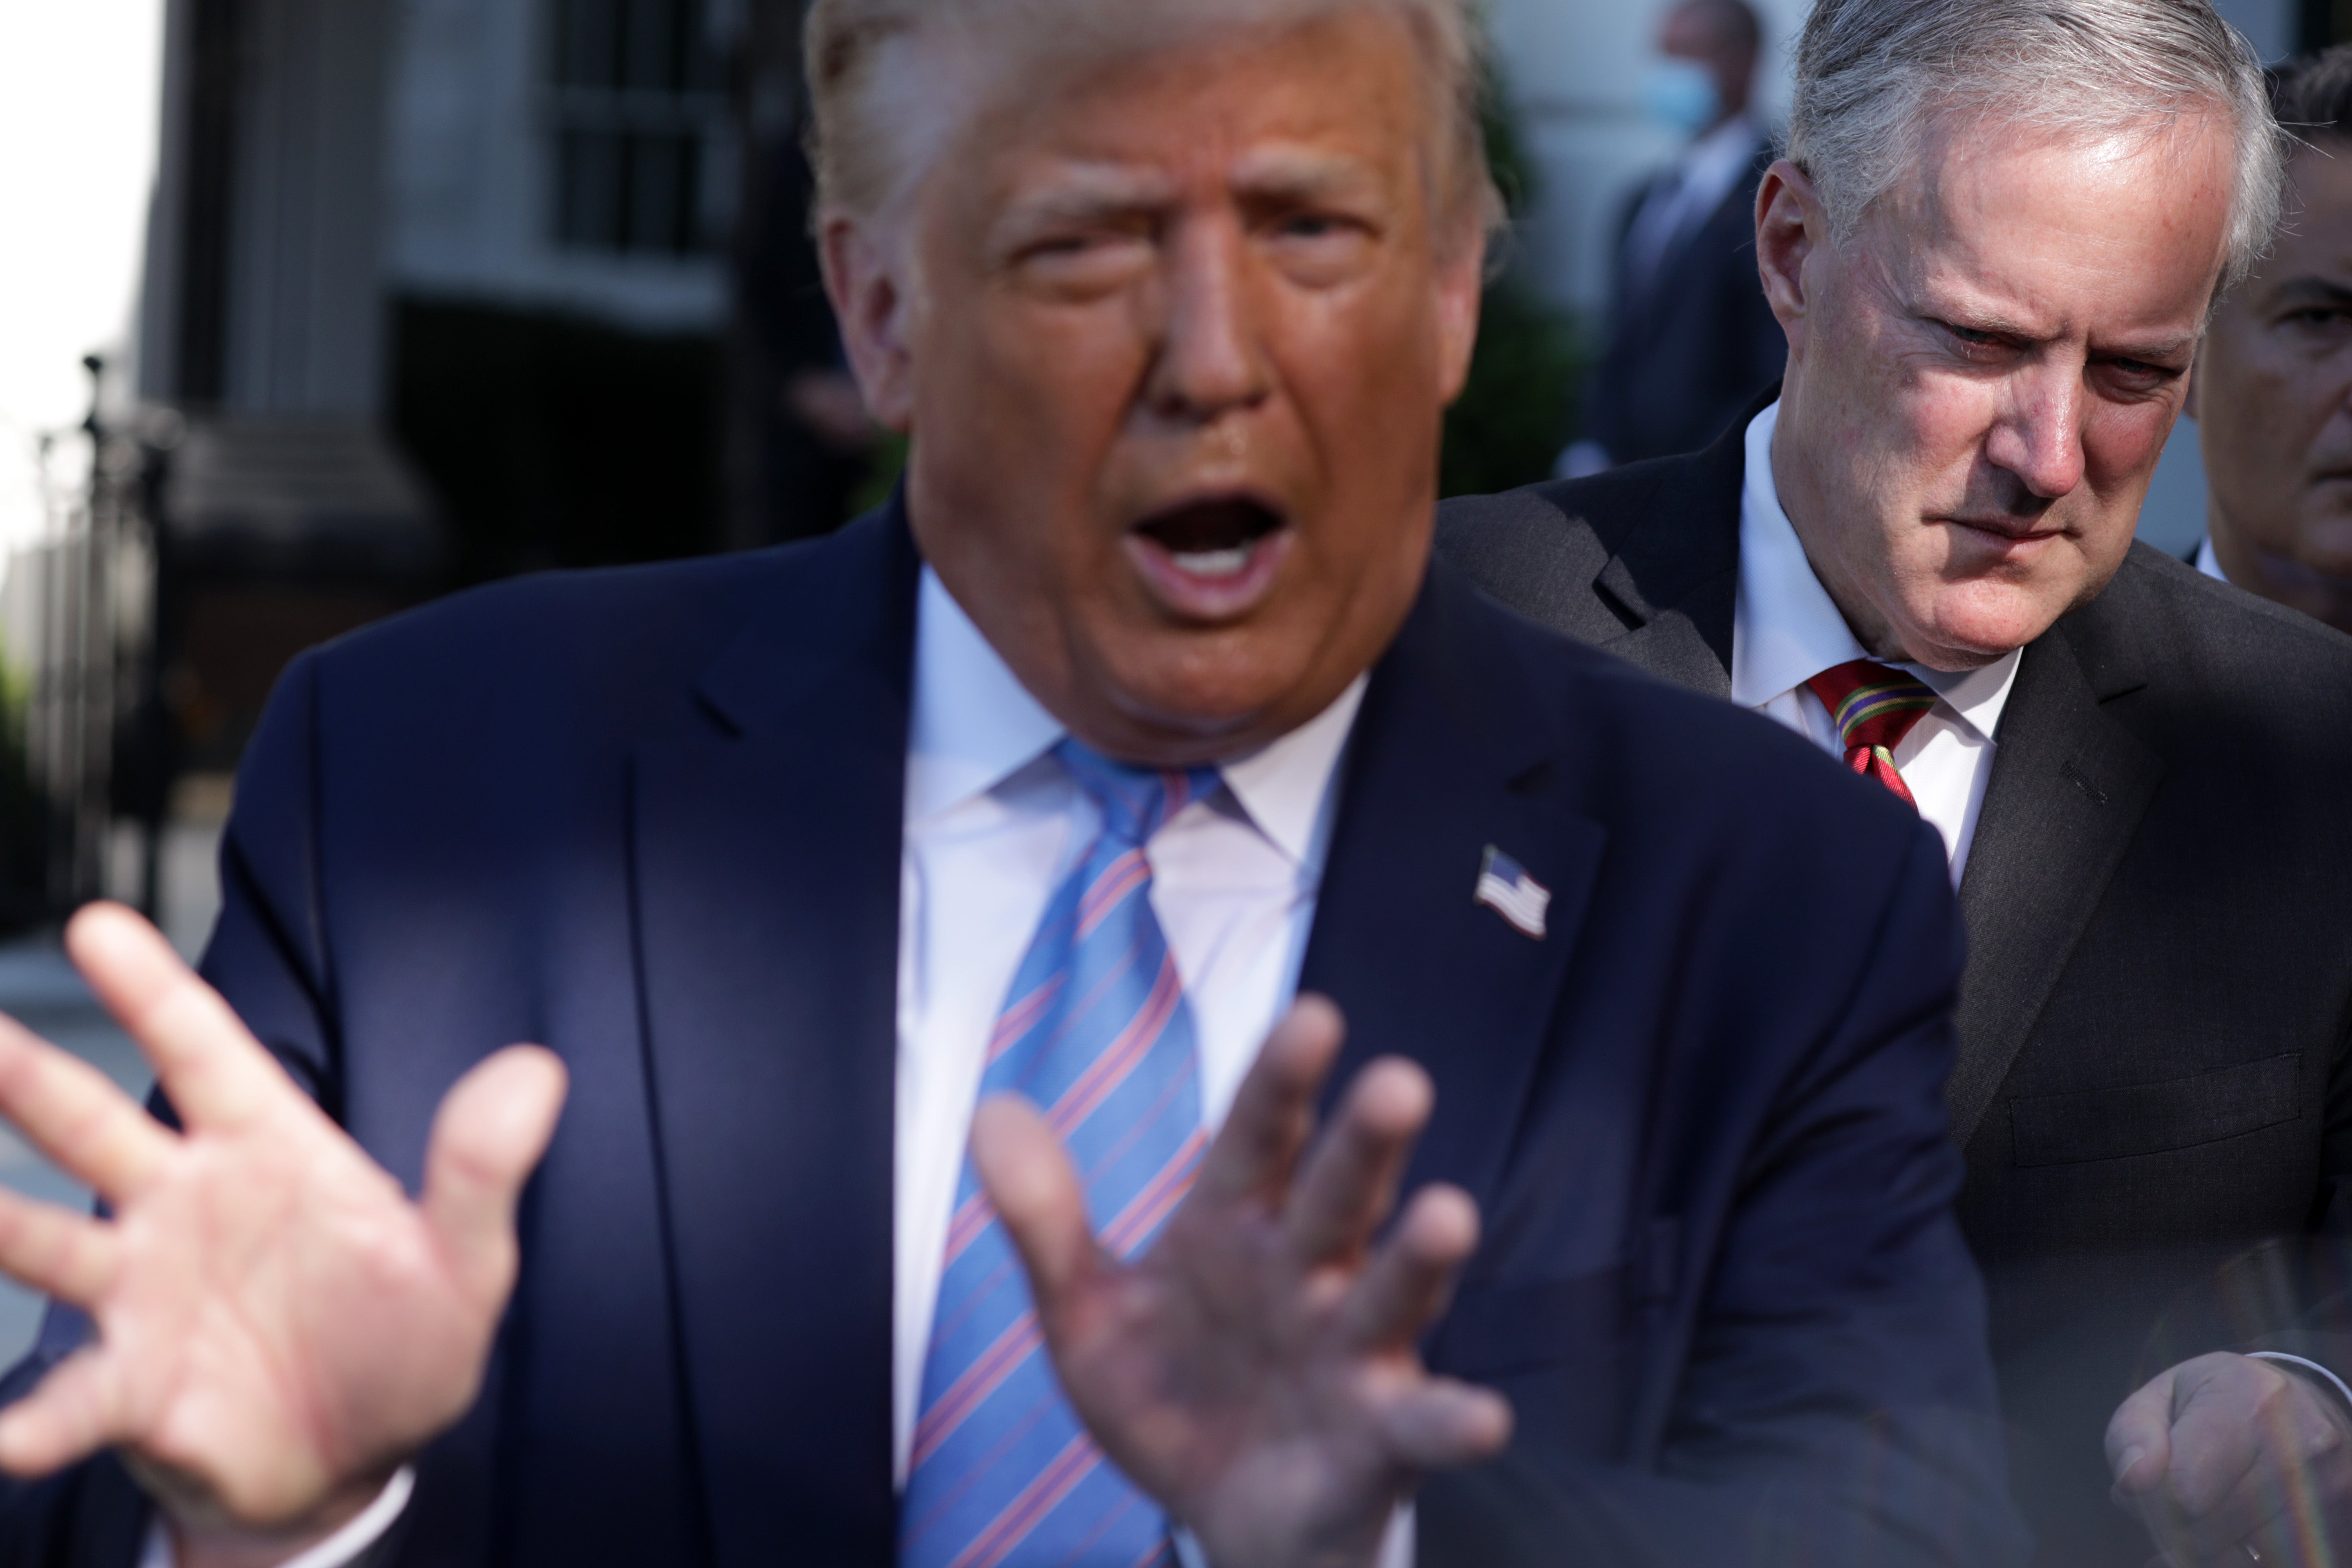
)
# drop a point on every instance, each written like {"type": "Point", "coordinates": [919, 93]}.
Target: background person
{"type": "Point", "coordinates": [2273, 392]}
{"type": "Point", "coordinates": [1691, 340]}
{"type": "Point", "coordinates": [1140, 712]}
{"type": "Point", "coordinates": [1993, 247]}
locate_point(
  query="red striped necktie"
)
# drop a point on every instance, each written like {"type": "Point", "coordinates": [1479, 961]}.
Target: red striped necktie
{"type": "Point", "coordinates": [1873, 708]}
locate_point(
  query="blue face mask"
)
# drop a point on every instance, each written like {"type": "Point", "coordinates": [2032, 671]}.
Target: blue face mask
{"type": "Point", "coordinates": [1682, 95]}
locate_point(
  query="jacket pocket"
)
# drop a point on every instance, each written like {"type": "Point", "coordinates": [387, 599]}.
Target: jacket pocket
{"type": "Point", "coordinates": [2149, 1118]}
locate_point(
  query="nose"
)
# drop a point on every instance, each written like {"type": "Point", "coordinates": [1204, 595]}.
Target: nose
{"type": "Point", "coordinates": [1212, 356]}
{"type": "Point", "coordinates": [2039, 436]}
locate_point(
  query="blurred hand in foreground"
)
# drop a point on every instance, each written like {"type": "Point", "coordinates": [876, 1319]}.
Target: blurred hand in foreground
{"type": "Point", "coordinates": [279, 1327]}
{"type": "Point", "coordinates": [2232, 1462]}
{"type": "Point", "coordinates": [1255, 1370]}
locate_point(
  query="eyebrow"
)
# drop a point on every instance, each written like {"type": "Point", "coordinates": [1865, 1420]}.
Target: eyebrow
{"type": "Point", "coordinates": [1086, 192]}
{"type": "Point", "coordinates": [2312, 290]}
{"type": "Point", "coordinates": [1081, 194]}
{"type": "Point", "coordinates": [2002, 327]}
{"type": "Point", "coordinates": [1300, 175]}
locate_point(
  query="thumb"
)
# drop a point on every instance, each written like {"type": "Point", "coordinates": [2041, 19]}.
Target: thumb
{"type": "Point", "coordinates": [1029, 1178]}
{"type": "Point", "coordinates": [487, 1138]}
{"type": "Point", "coordinates": [2139, 1437]}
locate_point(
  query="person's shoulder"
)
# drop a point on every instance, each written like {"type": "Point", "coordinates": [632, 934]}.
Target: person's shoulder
{"type": "Point", "coordinates": [2162, 620]}
{"type": "Point", "coordinates": [1646, 749]}
{"type": "Point", "coordinates": [657, 614]}
{"type": "Point", "coordinates": [586, 659]}
{"type": "Point", "coordinates": [1602, 507]}
{"type": "Point", "coordinates": [1539, 548]}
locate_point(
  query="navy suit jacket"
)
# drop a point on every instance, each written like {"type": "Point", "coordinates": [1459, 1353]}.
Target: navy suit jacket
{"type": "Point", "coordinates": [1691, 343]}
{"type": "Point", "coordinates": [653, 817]}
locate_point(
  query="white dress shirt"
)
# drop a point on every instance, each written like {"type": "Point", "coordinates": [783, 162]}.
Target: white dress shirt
{"type": "Point", "coordinates": [993, 823]}
{"type": "Point", "coordinates": [1786, 629]}
{"type": "Point", "coordinates": [2208, 562]}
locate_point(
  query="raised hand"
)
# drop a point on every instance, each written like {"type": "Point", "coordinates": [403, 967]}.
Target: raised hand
{"type": "Point", "coordinates": [2230, 1461]}
{"type": "Point", "coordinates": [1255, 1370]}
{"type": "Point", "coordinates": [279, 1327]}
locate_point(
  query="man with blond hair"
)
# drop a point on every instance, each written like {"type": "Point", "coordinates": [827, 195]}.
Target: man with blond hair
{"type": "Point", "coordinates": [1994, 245]}
{"type": "Point", "coordinates": [951, 933]}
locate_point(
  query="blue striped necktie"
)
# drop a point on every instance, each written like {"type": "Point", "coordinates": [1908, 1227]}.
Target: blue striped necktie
{"type": "Point", "coordinates": [1096, 1032]}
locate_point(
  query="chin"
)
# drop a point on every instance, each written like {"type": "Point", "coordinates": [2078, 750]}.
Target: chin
{"type": "Point", "coordinates": [1987, 621]}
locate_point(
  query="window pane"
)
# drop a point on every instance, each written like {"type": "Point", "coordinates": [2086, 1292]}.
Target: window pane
{"type": "Point", "coordinates": [588, 43]}
{"type": "Point", "coordinates": [589, 199]}
{"type": "Point", "coordinates": [661, 206]}
{"type": "Point", "coordinates": [651, 62]}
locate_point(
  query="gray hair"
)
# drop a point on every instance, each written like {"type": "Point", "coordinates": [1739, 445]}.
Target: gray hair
{"type": "Point", "coordinates": [1873, 75]}
{"type": "Point", "coordinates": [860, 155]}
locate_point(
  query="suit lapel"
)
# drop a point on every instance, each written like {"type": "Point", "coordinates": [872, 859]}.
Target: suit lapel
{"type": "Point", "coordinates": [765, 851]}
{"type": "Point", "coordinates": [2068, 788]}
{"type": "Point", "coordinates": [1449, 757]}
{"type": "Point", "coordinates": [1673, 577]}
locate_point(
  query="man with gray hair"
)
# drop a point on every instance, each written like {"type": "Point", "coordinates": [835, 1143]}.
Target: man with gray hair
{"type": "Point", "coordinates": [945, 931]}
{"type": "Point", "coordinates": [1994, 243]}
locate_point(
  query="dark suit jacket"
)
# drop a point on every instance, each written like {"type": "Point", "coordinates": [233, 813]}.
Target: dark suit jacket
{"type": "Point", "coordinates": [1690, 347]}
{"type": "Point", "coordinates": [652, 818]}
{"type": "Point", "coordinates": [2158, 902]}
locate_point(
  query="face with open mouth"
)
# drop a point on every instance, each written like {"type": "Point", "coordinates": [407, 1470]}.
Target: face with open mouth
{"type": "Point", "coordinates": [1173, 332]}
{"type": "Point", "coordinates": [1983, 374]}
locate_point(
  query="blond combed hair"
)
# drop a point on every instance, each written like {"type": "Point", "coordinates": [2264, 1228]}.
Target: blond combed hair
{"type": "Point", "coordinates": [859, 141]}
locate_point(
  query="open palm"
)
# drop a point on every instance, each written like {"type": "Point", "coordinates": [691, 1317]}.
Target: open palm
{"type": "Point", "coordinates": [1256, 1371]}
{"type": "Point", "coordinates": [278, 1326]}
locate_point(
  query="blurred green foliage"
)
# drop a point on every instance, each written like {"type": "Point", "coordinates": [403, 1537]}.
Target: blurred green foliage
{"type": "Point", "coordinates": [1518, 408]}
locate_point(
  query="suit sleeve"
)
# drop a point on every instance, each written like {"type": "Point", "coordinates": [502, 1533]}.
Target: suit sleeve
{"type": "Point", "coordinates": [265, 957]}
{"type": "Point", "coordinates": [1836, 1410]}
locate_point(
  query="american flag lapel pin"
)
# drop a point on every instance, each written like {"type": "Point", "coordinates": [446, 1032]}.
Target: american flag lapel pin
{"type": "Point", "coordinates": [1504, 887]}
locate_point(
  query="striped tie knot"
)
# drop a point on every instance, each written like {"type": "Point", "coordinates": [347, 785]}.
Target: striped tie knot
{"type": "Point", "coordinates": [1135, 802]}
{"type": "Point", "coordinates": [1873, 708]}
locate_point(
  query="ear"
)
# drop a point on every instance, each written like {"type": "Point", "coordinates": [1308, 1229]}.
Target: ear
{"type": "Point", "coordinates": [871, 301]}
{"type": "Point", "coordinates": [1791, 226]}
{"type": "Point", "coordinates": [1460, 285]}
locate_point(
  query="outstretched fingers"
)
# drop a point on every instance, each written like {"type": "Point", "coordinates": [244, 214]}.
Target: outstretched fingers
{"type": "Point", "coordinates": [1405, 1287]}
{"type": "Point", "coordinates": [1038, 1197]}
{"type": "Point", "coordinates": [489, 1134]}
{"type": "Point", "coordinates": [215, 1072]}
{"type": "Point", "coordinates": [1349, 1182]}
{"type": "Point", "coordinates": [77, 1116]}
{"type": "Point", "coordinates": [56, 1251]}
{"type": "Point", "coordinates": [1273, 1113]}
{"type": "Point", "coordinates": [1430, 1423]}
{"type": "Point", "coordinates": [1441, 1422]}
{"type": "Point", "coordinates": [75, 1411]}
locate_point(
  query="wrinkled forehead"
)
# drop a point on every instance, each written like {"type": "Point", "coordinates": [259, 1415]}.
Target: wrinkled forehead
{"type": "Point", "coordinates": [2134, 213]}
{"type": "Point", "coordinates": [968, 73]}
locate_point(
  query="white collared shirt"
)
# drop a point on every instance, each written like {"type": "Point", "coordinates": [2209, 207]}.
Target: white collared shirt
{"type": "Point", "coordinates": [1786, 629]}
{"type": "Point", "coordinates": [2209, 561]}
{"type": "Point", "coordinates": [995, 823]}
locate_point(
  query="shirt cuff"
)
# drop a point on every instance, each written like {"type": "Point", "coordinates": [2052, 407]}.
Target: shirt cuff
{"type": "Point", "coordinates": [2325, 1375]}
{"type": "Point", "coordinates": [1396, 1546]}
{"type": "Point", "coordinates": [338, 1551]}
